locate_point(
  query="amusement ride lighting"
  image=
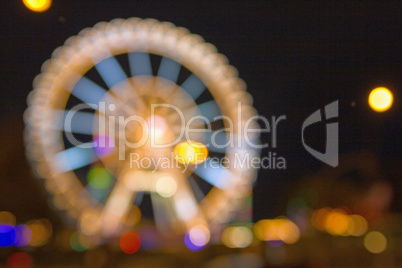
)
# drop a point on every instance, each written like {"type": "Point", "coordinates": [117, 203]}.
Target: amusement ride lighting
{"type": "Point", "coordinates": [96, 182]}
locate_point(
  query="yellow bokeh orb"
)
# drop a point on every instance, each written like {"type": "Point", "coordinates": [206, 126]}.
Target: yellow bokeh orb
{"type": "Point", "coordinates": [375, 242]}
{"type": "Point", "coordinates": [190, 152]}
{"type": "Point", "coordinates": [380, 99]}
{"type": "Point", "coordinates": [237, 237]}
{"type": "Point", "coordinates": [166, 186]}
{"type": "Point", "coordinates": [38, 5]}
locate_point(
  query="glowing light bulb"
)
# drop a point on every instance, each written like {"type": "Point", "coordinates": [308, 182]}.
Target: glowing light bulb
{"type": "Point", "coordinates": [38, 5]}
{"type": "Point", "coordinates": [380, 99]}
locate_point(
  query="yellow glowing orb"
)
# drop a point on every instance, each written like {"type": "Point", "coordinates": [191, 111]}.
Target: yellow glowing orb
{"type": "Point", "coordinates": [38, 5]}
{"type": "Point", "coordinates": [375, 242]}
{"type": "Point", "coordinates": [190, 152]}
{"type": "Point", "coordinates": [237, 237]}
{"type": "Point", "coordinates": [380, 99]}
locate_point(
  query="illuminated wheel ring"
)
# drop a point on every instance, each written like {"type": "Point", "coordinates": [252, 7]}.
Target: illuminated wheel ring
{"type": "Point", "coordinates": [60, 75]}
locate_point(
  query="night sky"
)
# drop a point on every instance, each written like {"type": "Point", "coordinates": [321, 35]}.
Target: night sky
{"type": "Point", "coordinates": [295, 56]}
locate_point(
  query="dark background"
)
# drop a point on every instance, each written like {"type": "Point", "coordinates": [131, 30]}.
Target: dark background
{"type": "Point", "coordinates": [295, 56]}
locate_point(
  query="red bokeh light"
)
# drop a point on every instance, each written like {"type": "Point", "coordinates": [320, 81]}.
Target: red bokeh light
{"type": "Point", "coordinates": [130, 242]}
{"type": "Point", "coordinates": [19, 260]}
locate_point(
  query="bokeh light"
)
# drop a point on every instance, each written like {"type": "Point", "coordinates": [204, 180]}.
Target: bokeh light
{"type": "Point", "coordinates": [157, 127]}
{"type": "Point", "coordinates": [375, 242]}
{"type": "Point", "coordinates": [38, 5]}
{"type": "Point", "coordinates": [237, 237]}
{"type": "Point", "coordinates": [130, 242]}
{"type": "Point", "coordinates": [7, 235]}
{"type": "Point", "coordinates": [280, 229]}
{"type": "Point", "coordinates": [318, 219]}
{"type": "Point", "coordinates": [358, 225]}
{"type": "Point", "coordinates": [19, 260]}
{"type": "Point", "coordinates": [23, 235]}
{"type": "Point", "coordinates": [99, 178]}
{"type": "Point", "coordinates": [166, 186]}
{"type": "Point", "coordinates": [380, 99]}
{"type": "Point", "coordinates": [190, 152]}
{"type": "Point", "coordinates": [197, 237]}
{"type": "Point", "coordinates": [7, 218]}
{"type": "Point", "coordinates": [104, 145]}
{"type": "Point", "coordinates": [90, 222]}
{"type": "Point", "coordinates": [149, 237]}
{"type": "Point", "coordinates": [41, 231]}
{"type": "Point", "coordinates": [77, 243]}
{"type": "Point", "coordinates": [339, 222]}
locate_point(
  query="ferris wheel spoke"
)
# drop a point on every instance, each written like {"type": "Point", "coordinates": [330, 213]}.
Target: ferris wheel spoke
{"type": "Point", "coordinates": [163, 211]}
{"type": "Point", "coordinates": [194, 86]}
{"type": "Point", "coordinates": [209, 109]}
{"type": "Point", "coordinates": [116, 207]}
{"type": "Point", "coordinates": [111, 71]}
{"type": "Point", "coordinates": [140, 63]}
{"type": "Point", "coordinates": [89, 92]}
{"type": "Point", "coordinates": [185, 202]}
{"type": "Point", "coordinates": [212, 172]}
{"type": "Point", "coordinates": [73, 121]}
{"type": "Point", "coordinates": [169, 69]}
{"type": "Point", "coordinates": [75, 157]}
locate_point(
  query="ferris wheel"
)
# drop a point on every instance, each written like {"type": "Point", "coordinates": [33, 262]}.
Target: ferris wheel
{"type": "Point", "coordinates": [132, 109]}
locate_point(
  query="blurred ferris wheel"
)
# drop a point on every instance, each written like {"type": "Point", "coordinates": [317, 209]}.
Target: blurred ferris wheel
{"type": "Point", "coordinates": [136, 110]}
